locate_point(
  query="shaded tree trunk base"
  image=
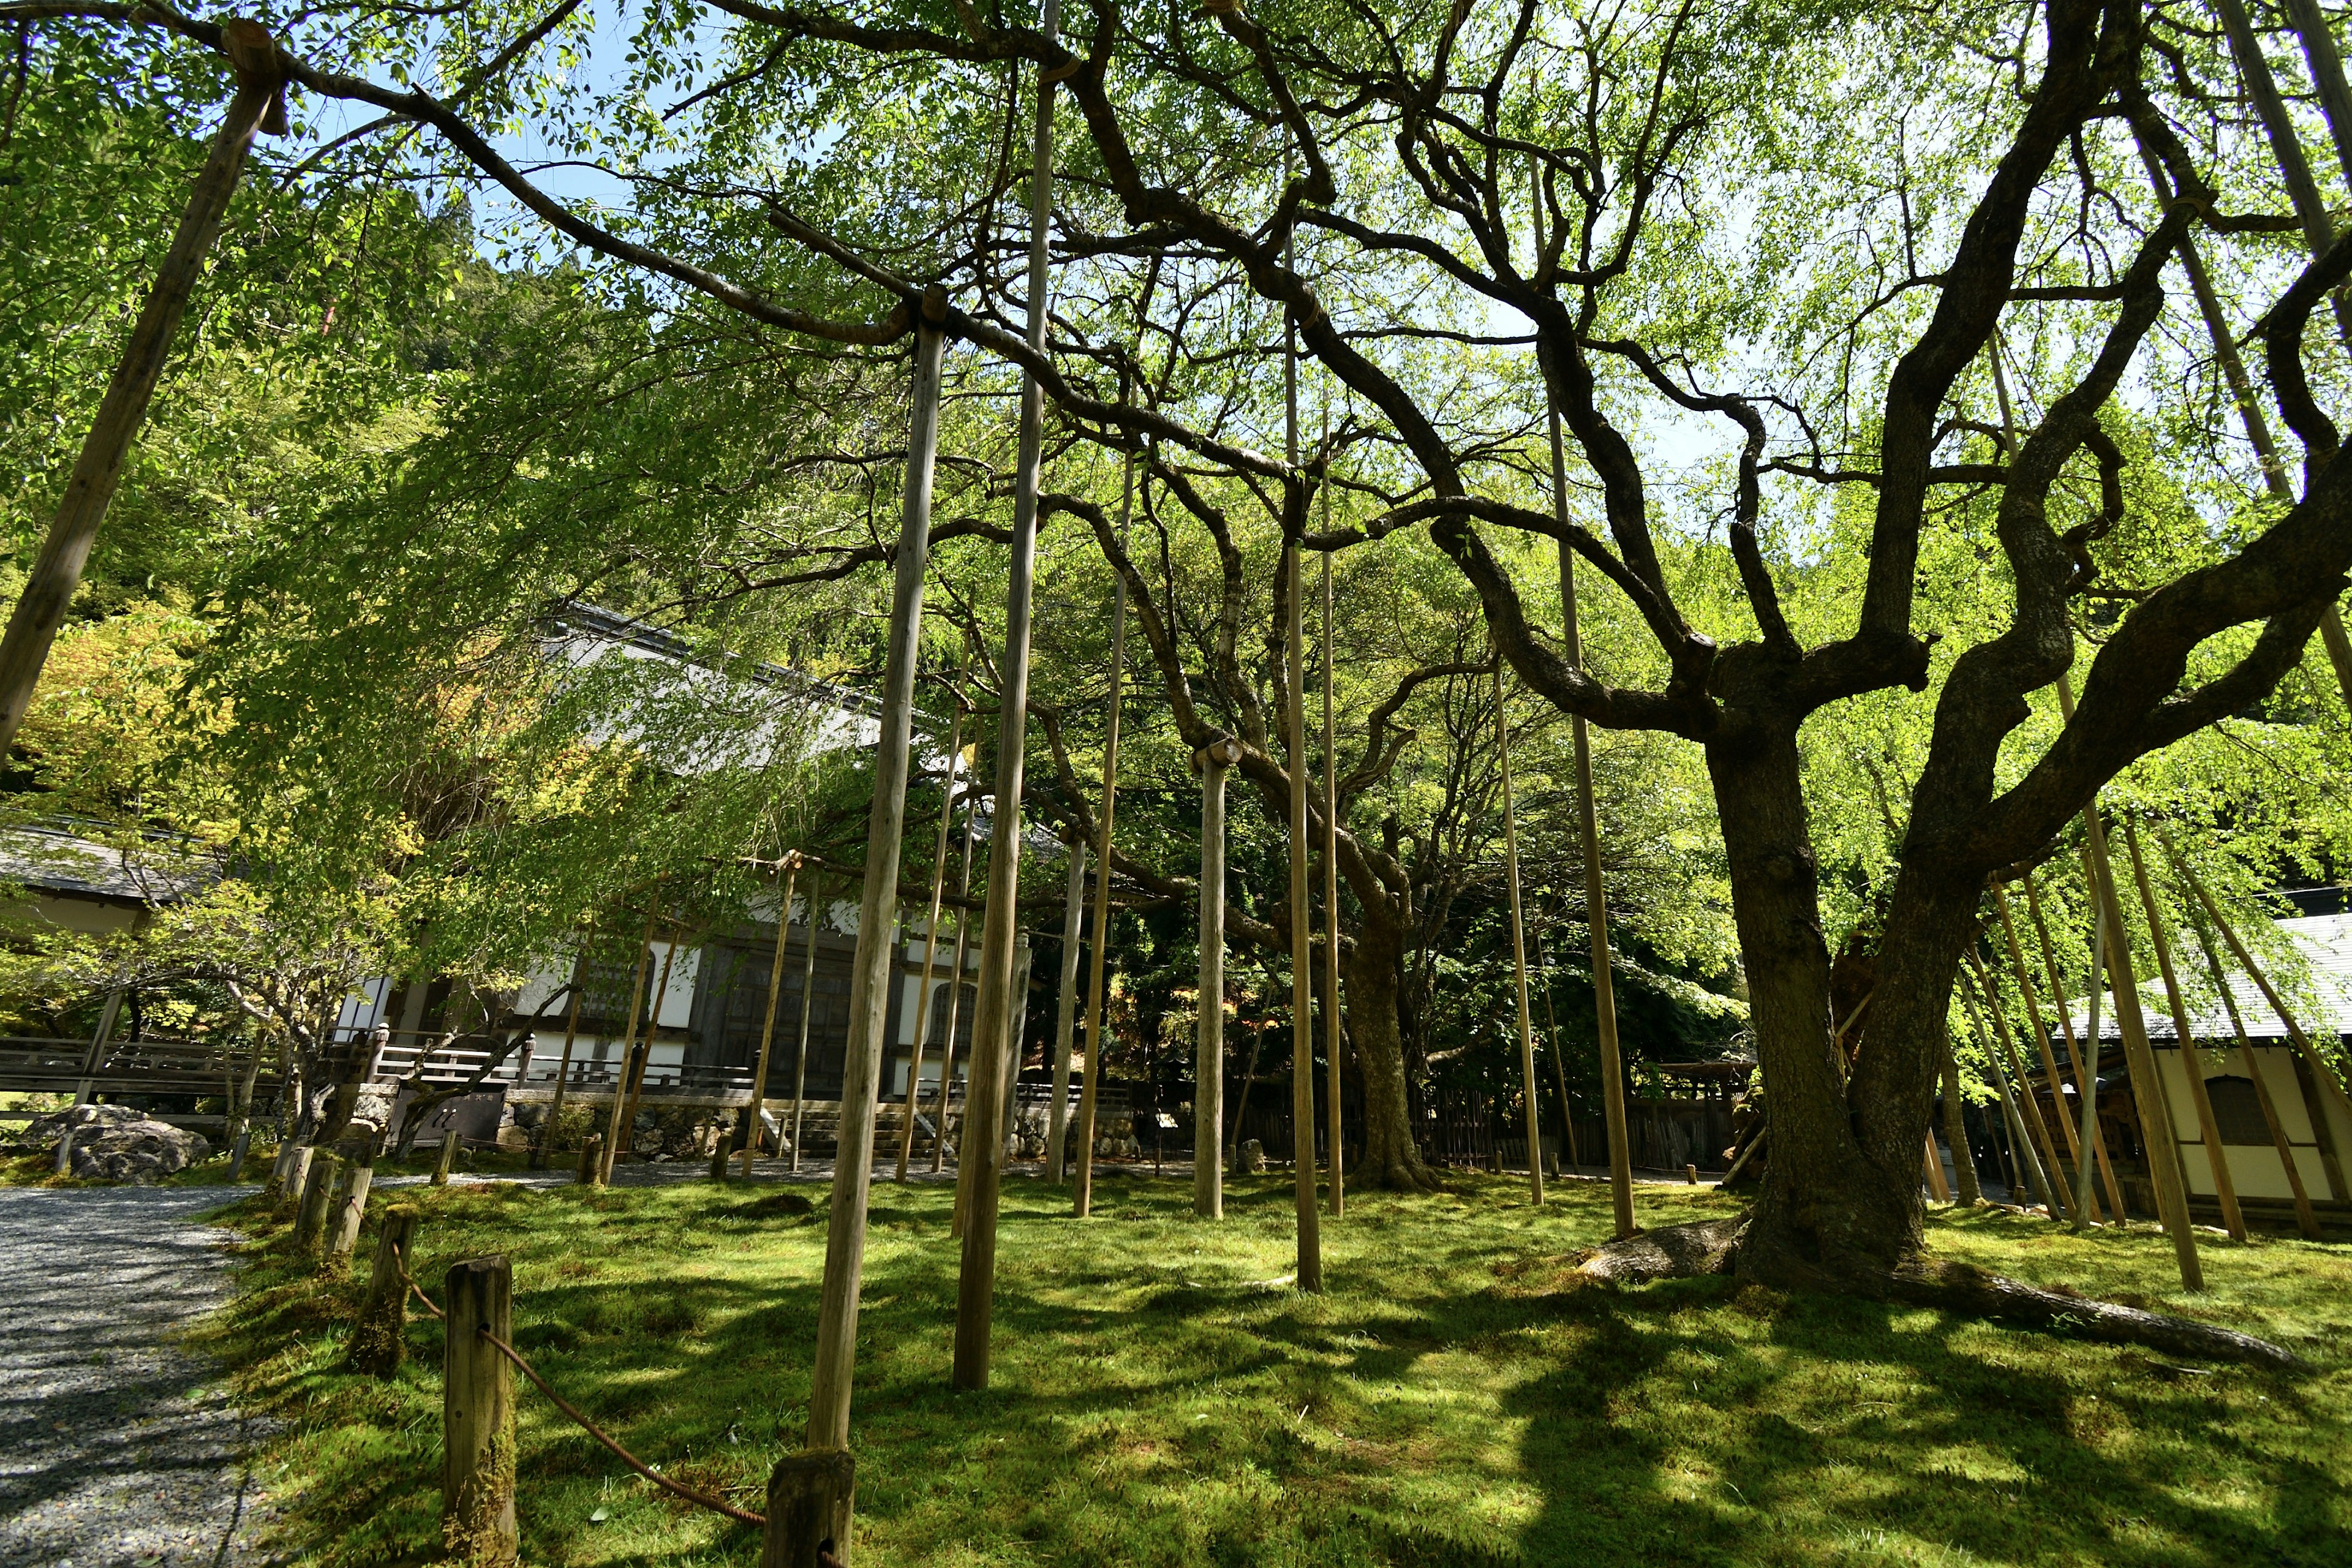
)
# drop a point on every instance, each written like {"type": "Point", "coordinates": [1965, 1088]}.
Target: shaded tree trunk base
{"type": "Point", "coordinates": [1715, 1247]}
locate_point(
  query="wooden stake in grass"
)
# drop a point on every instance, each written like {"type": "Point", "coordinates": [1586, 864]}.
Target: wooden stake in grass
{"type": "Point", "coordinates": [445, 1158]}
{"type": "Point", "coordinates": [592, 1160]}
{"type": "Point", "coordinates": [2148, 1089]}
{"type": "Point", "coordinates": [768, 1018]}
{"type": "Point", "coordinates": [644, 1052]}
{"type": "Point", "coordinates": [477, 1416]}
{"type": "Point", "coordinates": [955, 1011]}
{"type": "Point", "coordinates": [259, 106]}
{"type": "Point", "coordinates": [1334, 1159]}
{"type": "Point", "coordinates": [2019, 1087]}
{"type": "Point", "coordinates": [2020, 1143]}
{"type": "Point", "coordinates": [1302, 949]}
{"type": "Point", "coordinates": [379, 1341]}
{"type": "Point", "coordinates": [808, 1001]}
{"type": "Point", "coordinates": [354, 1209]}
{"type": "Point", "coordinates": [1596, 903]}
{"type": "Point", "coordinates": [931, 924]}
{"type": "Point", "coordinates": [2040, 1035]}
{"type": "Point", "coordinates": [1937, 1186]}
{"type": "Point", "coordinates": [1518, 939]}
{"type": "Point", "coordinates": [612, 1138]}
{"type": "Point", "coordinates": [544, 1143]}
{"type": "Point", "coordinates": [1209, 1065]}
{"type": "Point", "coordinates": [2192, 1064]}
{"type": "Point", "coordinates": [2084, 1060]}
{"type": "Point", "coordinates": [1097, 1001]}
{"type": "Point", "coordinates": [1057, 1114]}
{"type": "Point", "coordinates": [992, 1008]}
{"type": "Point", "coordinates": [318, 1194]}
{"type": "Point", "coordinates": [811, 1499]}
{"type": "Point", "coordinates": [1956, 1131]}
{"type": "Point", "coordinates": [870, 970]}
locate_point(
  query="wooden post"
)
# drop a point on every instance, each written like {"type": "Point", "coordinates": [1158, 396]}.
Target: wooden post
{"type": "Point", "coordinates": [1596, 905]}
{"type": "Point", "coordinates": [49, 592]}
{"type": "Point", "coordinates": [477, 1417]}
{"type": "Point", "coordinates": [1209, 1067]}
{"type": "Point", "coordinates": [2322, 1073]}
{"type": "Point", "coordinates": [1097, 1001]}
{"type": "Point", "coordinates": [2192, 1063]}
{"type": "Point", "coordinates": [955, 1011]}
{"type": "Point", "coordinates": [349, 1217]}
{"type": "Point", "coordinates": [545, 1143]}
{"type": "Point", "coordinates": [1518, 939]}
{"type": "Point", "coordinates": [1956, 1131]}
{"type": "Point", "coordinates": [445, 1158]}
{"type": "Point", "coordinates": [629, 1045]}
{"type": "Point", "coordinates": [870, 970]}
{"type": "Point", "coordinates": [931, 925]}
{"type": "Point", "coordinates": [2021, 1142]}
{"type": "Point", "coordinates": [1937, 1186]}
{"type": "Point", "coordinates": [645, 1055]}
{"type": "Point", "coordinates": [2148, 1089]}
{"type": "Point", "coordinates": [992, 1009]}
{"type": "Point", "coordinates": [1302, 949]}
{"type": "Point", "coordinates": [1334, 1159]}
{"type": "Point", "coordinates": [808, 998]}
{"type": "Point", "coordinates": [1057, 1114]}
{"type": "Point", "coordinates": [2041, 1037]}
{"type": "Point", "coordinates": [379, 1340]}
{"type": "Point", "coordinates": [1558, 1062]}
{"type": "Point", "coordinates": [768, 1018]}
{"type": "Point", "coordinates": [318, 1194]}
{"type": "Point", "coordinates": [293, 1168]}
{"type": "Point", "coordinates": [591, 1159]}
{"type": "Point", "coordinates": [810, 1502]}
{"type": "Point", "coordinates": [2019, 1087]}
{"type": "Point", "coordinates": [2085, 1062]}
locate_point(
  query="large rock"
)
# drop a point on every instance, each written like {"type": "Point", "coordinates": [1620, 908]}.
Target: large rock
{"type": "Point", "coordinates": [116, 1143]}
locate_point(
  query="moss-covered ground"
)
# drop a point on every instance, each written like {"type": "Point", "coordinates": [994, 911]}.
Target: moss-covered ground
{"type": "Point", "coordinates": [1161, 1396]}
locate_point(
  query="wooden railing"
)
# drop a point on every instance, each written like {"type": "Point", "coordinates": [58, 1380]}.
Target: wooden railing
{"type": "Point", "coordinates": [37, 1065]}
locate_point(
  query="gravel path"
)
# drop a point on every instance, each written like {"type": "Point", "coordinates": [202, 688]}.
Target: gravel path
{"type": "Point", "coordinates": [117, 1446]}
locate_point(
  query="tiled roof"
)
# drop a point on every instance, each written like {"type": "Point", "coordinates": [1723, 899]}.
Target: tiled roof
{"type": "Point", "coordinates": [58, 862]}
{"type": "Point", "coordinates": [2324, 942]}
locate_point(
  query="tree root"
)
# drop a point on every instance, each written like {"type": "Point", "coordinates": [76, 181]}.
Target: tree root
{"type": "Point", "coordinates": [1713, 1247]}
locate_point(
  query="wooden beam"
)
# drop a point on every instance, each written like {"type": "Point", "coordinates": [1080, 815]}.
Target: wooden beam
{"type": "Point", "coordinates": [1208, 1067]}
{"type": "Point", "coordinates": [1518, 940]}
{"type": "Point", "coordinates": [808, 996]}
{"type": "Point", "coordinates": [629, 1041]}
{"type": "Point", "coordinates": [1082, 1196]}
{"type": "Point", "coordinates": [767, 1017]}
{"type": "Point", "coordinates": [2086, 1062]}
{"type": "Point", "coordinates": [1057, 1114]}
{"type": "Point", "coordinates": [1336, 1158]}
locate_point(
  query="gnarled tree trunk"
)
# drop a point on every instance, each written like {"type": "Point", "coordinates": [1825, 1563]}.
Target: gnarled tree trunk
{"type": "Point", "coordinates": [1392, 1159]}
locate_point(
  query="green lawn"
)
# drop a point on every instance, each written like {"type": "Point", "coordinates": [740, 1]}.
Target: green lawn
{"type": "Point", "coordinates": [1159, 1397]}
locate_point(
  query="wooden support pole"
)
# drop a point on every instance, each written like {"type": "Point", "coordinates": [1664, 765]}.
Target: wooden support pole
{"type": "Point", "coordinates": [2148, 1088]}
{"type": "Point", "coordinates": [1956, 1129]}
{"type": "Point", "coordinates": [1209, 1065]}
{"type": "Point", "coordinates": [768, 1016]}
{"type": "Point", "coordinates": [612, 1138]}
{"type": "Point", "coordinates": [318, 1197]}
{"type": "Point", "coordinates": [2192, 1063]}
{"type": "Point", "coordinates": [2085, 1062]}
{"type": "Point", "coordinates": [870, 973]}
{"type": "Point", "coordinates": [1097, 976]}
{"type": "Point", "coordinates": [808, 1000]}
{"type": "Point", "coordinates": [1559, 1061]}
{"type": "Point", "coordinates": [1302, 949]}
{"type": "Point", "coordinates": [1518, 940]}
{"type": "Point", "coordinates": [992, 1008]}
{"type": "Point", "coordinates": [1596, 903]}
{"type": "Point", "coordinates": [931, 929]}
{"type": "Point", "coordinates": [41, 609]}
{"type": "Point", "coordinates": [445, 1158]}
{"type": "Point", "coordinates": [379, 1341]}
{"type": "Point", "coordinates": [1940, 1189]}
{"type": "Point", "coordinates": [2322, 1072]}
{"type": "Point", "coordinates": [592, 1160]}
{"type": "Point", "coordinates": [2020, 1087]}
{"type": "Point", "coordinates": [545, 1143]}
{"type": "Point", "coordinates": [1336, 1160]}
{"type": "Point", "coordinates": [478, 1415]}
{"type": "Point", "coordinates": [644, 1054]}
{"type": "Point", "coordinates": [2306, 1220]}
{"type": "Point", "coordinates": [955, 1011]}
{"type": "Point", "coordinates": [2021, 1141]}
{"type": "Point", "coordinates": [2051, 1075]}
{"type": "Point", "coordinates": [353, 1212]}
{"type": "Point", "coordinates": [1057, 1114]}
{"type": "Point", "coordinates": [811, 1500]}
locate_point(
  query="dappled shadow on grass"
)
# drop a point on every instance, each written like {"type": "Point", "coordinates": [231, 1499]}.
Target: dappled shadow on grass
{"type": "Point", "coordinates": [1159, 1397]}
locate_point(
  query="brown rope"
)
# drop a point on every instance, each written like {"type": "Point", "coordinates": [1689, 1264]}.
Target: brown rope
{"type": "Point", "coordinates": [688, 1493]}
{"type": "Point", "coordinates": [410, 1280]}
